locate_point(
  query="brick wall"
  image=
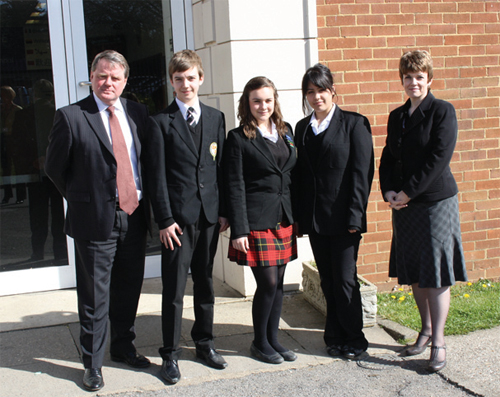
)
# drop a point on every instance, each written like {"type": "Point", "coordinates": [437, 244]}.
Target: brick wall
{"type": "Point", "coordinates": [361, 41]}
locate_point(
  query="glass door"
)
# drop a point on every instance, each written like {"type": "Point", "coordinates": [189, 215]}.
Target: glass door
{"type": "Point", "coordinates": [46, 51]}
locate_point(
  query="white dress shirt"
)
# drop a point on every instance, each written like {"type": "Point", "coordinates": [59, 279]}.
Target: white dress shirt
{"type": "Point", "coordinates": [318, 129]}
{"type": "Point", "coordinates": [184, 108]}
{"type": "Point", "coordinates": [127, 135]}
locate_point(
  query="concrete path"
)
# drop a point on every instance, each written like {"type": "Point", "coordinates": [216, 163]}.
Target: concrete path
{"type": "Point", "coordinates": [39, 355]}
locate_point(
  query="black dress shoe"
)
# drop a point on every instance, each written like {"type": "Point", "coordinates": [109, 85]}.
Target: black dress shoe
{"type": "Point", "coordinates": [334, 350]}
{"type": "Point", "coordinates": [275, 358]}
{"type": "Point", "coordinates": [288, 355]}
{"type": "Point", "coordinates": [132, 359]}
{"type": "Point", "coordinates": [92, 379]}
{"type": "Point", "coordinates": [170, 371]}
{"type": "Point", "coordinates": [351, 352]}
{"type": "Point", "coordinates": [434, 364]}
{"type": "Point", "coordinates": [415, 349]}
{"type": "Point", "coordinates": [212, 358]}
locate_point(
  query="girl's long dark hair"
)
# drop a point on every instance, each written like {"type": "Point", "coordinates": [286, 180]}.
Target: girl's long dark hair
{"type": "Point", "coordinates": [320, 76]}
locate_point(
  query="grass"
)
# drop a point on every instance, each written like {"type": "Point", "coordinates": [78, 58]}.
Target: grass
{"type": "Point", "coordinates": [474, 306]}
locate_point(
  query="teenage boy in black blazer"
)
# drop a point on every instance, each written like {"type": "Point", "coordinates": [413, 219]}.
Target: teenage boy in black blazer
{"type": "Point", "coordinates": [182, 158]}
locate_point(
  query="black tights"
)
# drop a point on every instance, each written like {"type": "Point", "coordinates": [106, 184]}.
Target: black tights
{"type": "Point", "coordinates": [266, 308]}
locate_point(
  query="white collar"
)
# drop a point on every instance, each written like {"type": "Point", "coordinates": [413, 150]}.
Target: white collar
{"type": "Point", "coordinates": [273, 135]}
{"type": "Point", "coordinates": [102, 106]}
{"type": "Point", "coordinates": [318, 129]}
{"type": "Point", "coordinates": [184, 108]}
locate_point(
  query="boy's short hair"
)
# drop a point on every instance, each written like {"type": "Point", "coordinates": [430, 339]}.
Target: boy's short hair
{"type": "Point", "coordinates": [416, 61]}
{"type": "Point", "coordinates": [184, 60]}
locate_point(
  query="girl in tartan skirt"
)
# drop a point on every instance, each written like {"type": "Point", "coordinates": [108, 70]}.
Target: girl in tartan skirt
{"type": "Point", "coordinates": [259, 157]}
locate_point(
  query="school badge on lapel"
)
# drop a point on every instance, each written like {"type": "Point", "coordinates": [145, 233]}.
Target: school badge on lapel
{"type": "Point", "coordinates": [213, 149]}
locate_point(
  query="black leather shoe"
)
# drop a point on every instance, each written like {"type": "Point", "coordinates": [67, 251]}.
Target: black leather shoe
{"type": "Point", "coordinates": [212, 358]}
{"type": "Point", "coordinates": [92, 379]}
{"type": "Point", "coordinates": [170, 371]}
{"type": "Point", "coordinates": [434, 364]}
{"type": "Point", "coordinates": [351, 352]}
{"type": "Point", "coordinates": [415, 349]}
{"type": "Point", "coordinates": [288, 355]}
{"type": "Point", "coordinates": [275, 358]}
{"type": "Point", "coordinates": [334, 351]}
{"type": "Point", "coordinates": [132, 359]}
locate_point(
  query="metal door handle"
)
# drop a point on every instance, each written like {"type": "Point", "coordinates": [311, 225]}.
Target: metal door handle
{"type": "Point", "coordinates": [84, 83]}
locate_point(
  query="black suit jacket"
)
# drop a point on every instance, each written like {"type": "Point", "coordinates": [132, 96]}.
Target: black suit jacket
{"type": "Point", "coordinates": [181, 180]}
{"type": "Point", "coordinates": [333, 193]}
{"type": "Point", "coordinates": [256, 188]}
{"type": "Point", "coordinates": [418, 161]}
{"type": "Point", "coordinates": [81, 164]}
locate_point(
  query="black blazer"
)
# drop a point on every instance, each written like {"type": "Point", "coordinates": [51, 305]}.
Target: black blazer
{"type": "Point", "coordinates": [418, 161]}
{"type": "Point", "coordinates": [257, 190]}
{"type": "Point", "coordinates": [81, 163]}
{"type": "Point", "coordinates": [181, 180]}
{"type": "Point", "coordinates": [333, 187]}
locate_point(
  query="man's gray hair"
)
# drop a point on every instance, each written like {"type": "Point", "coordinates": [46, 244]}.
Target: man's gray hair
{"type": "Point", "coordinates": [112, 57]}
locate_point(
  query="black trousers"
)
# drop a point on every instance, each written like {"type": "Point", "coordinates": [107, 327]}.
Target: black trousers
{"type": "Point", "coordinates": [336, 258]}
{"type": "Point", "coordinates": [199, 244]}
{"type": "Point", "coordinates": [109, 278]}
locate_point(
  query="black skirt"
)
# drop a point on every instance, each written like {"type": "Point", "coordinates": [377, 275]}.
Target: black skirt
{"type": "Point", "coordinates": [427, 244]}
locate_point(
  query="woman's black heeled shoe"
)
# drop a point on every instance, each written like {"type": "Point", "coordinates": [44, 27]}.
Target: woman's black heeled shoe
{"type": "Point", "coordinates": [414, 349]}
{"type": "Point", "coordinates": [267, 358]}
{"type": "Point", "coordinates": [434, 364]}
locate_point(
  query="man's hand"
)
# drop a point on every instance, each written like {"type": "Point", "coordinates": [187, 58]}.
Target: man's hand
{"type": "Point", "coordinates": [224, 224]}
{"type": "Point", "coordinates": [241, 244]}
{"type": "Point", "coordinates": [169, 234]}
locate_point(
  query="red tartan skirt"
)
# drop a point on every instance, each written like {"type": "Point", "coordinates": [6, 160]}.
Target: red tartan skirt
{"type": "Point", "coordinates": [271, 247]}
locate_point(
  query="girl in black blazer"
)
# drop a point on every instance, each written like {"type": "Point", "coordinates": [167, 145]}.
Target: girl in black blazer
{"type": "Point", "coordinates": [258, 157]}
{"type": "Point", "coordinates": [334, 175]}
{"type": "Point", "coordinates": [416, 180]}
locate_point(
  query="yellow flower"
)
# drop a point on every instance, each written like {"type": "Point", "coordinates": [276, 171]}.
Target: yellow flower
{"type": "Point", "coordinates": [484, 285]}
{"type": "Point", "coordinates": [410, 293]}
{"type": "Point", "coordinates": [401, 289]}
{"type": "Point", "coordinates": [401, 299]}
{"type": "Point", "coordinates": [393, 296]}
{"type": "Point", "coordinates": [466, 295]}
{"type": "Point", "coordinates": [469, 283]}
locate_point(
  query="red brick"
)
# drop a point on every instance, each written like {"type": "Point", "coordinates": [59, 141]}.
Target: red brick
{"type": "Point", "coordinates": [415, 29]}
{"type": "Point", "coordinates": [472, 113]}
{"type": "Point", "coordinates": [493, 274]}
{"type": "Point", "coordinates": [372, 42]}
{"type": "Point", "coordinates": [443, 7]}
{"type": "Point", "coordinates": [387, 97]}
{"type": "Point", "coordinates": [486, 123]}
{"type": "Point", "coordinates": [387, 53]}
{"type": "Point", "coordinates": [484, 39]}
{"type": "Point", "coordinates": [329, 55]}
{"type": "Point", "coordinates": [412, 8]}
{"type": "Point", "coordinates": [358, 98]}
{"type": "Point", "coordinates": [355, 30]}
{"type": "Point", "coordinates": [472, 50]}
{"type": "Point", "coordinates": [486, 60]}
{"type": "Point", "coordinates": [458, 40]}
{"type": "Point", "coordinates": [374, 87]}
{"type": "Point", "coordinates": [401, 41]}
{"type": "Point", "coordinates": [456, 18]}
{"type": "Point", "coordinates": [357, 76]}
{"type": "Point", "coordinates": [428, 18]}
{"type": "Point", "coordinates": [386, 9]}
{"type": "Point", "coordinates": [356, 9]}
{"type": "Point", "coordinates": [487, 185]}
{"type": "Point", "coordinates": [473, 92]}
{"type": "Point", "coordinates": [385, 30]}
{"type": "Point", "coordinates": [341, 20]}
{"type": "Point", "coordinates": [343, 89]}
{"type": "Point", "coordinates": [329, 32]}
{"type": "Point", "coordinates": [492, 6]}
{"type": "Point", "coordinates": [452, 62]}
{"type": "Point", "coordinates": [341, 42]}
{"type": "Point", "coordinates": [358, 54]}
{"type": "Point", "coordinates": [492, 28]}
{"type": "Point", "coordinates": [485, 102]}
{"type": "Point", "coordinates": [470, 29]}
{"type": "Point", "coordinates": [466, 7]}
{"type": "Point", "coordinates": [370, 20]}
{"type": "Point", "coordinates": [400, 19]}
{"type": "Point", "coordinates": [324, 10]}
{"type": "Point", "coordinates": [493, 49]}
{"type": "Point", "coordinates": [429, 40]}
{"type": "Point", "coordinates": [493, 243]}
{"type": "Point", "coordinates": [484, 17]}
{"type": "Point", "coordinates": [443, 29]}
{"type": "Point", "coordinates": [486, 164]}
{"type": "Point", "coordinates": [444, 51]}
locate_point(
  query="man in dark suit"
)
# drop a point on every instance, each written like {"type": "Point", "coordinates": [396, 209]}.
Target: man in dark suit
{"type": "Point", "coordinates": [93, 159]}
{"type": "Point", "coordinates": [182, 157]}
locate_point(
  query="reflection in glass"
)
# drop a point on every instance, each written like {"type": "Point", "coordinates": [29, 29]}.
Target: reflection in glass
{"type": "Point", "coordinates": [31, 206]}
{"type": "Point", "coordinates": [136, 29]}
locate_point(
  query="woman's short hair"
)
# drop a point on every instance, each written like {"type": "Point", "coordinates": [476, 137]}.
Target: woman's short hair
{"type": "Point", "coordinates": [245, 115]}
{"type": "Point", "coordinates": [113, 57]}
{"type": "Point", "coordinates": [184, 60]}
{"type": "Point", "coordinates": [320, 76]}
{"type": "Point", "coordinates": [415, 61]}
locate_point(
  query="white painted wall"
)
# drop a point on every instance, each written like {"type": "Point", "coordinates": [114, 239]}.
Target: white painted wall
{"type": "Point", "coordinates": [241, 39]}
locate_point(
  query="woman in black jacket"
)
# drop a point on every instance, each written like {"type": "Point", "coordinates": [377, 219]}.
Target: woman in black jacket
{"type": "Point", "coordinates": [416, 180]}
{"type": "Point", "coordinates": [258, 158]}
{"type": "Point", "coordinates": [334, 175]}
